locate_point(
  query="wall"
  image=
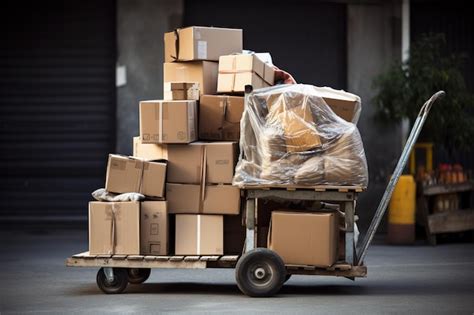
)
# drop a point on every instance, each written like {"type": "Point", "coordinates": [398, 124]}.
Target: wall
{"type": "Point", "coordinates": [140, 28]}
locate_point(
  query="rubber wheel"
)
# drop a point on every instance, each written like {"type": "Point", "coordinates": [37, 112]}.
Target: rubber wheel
{"type": "Point", "coordinates": [287, 277]}
{"type": "Point", "coordinates": [117, 285]}
{"type": "Point", "coordinates": [138, 275]}
{"type": "Point", "coordinates": [260, 273]}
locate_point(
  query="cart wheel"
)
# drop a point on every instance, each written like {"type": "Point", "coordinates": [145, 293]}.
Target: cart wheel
{"type": "Point", "coordinates": [260, 272]}
{"type": "Point", "coordinates": [138, 275]}
{"type": "Point", "coordinates": [288, 276]}
{"type": "Point", "coordinates": [117, 285]}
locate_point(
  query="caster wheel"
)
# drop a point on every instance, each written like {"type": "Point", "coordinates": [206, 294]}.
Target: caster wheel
{"type": "Point", "coordinates": [287, 277]}
{"type": "Point", "coordinates": [117, 285]}
{"type": "Point", "coordinates": [260, 273]}
{"type": "Point", "coordinates": [138, 275]}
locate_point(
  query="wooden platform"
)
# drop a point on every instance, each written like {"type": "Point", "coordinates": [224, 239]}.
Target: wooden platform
{"type": "Point", "coordinates": [319, 188]}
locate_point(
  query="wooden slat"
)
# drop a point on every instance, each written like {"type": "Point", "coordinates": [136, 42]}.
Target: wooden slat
{"type": "Point", "coordinates": [309, 267]}
{"type": "Point", "coordinates": [162, 258]}
{"type": "Point", "coordinates": [135, 257]}
{"type": "Point", "coordinates": [104, 256]}
{"type": "Point", "coordinates": [191, 258]}
{"type": "Point", "coordinates": [451, 221]}
{"type": "Point", "coordinates": [355, 271]}
{"type": "Point", "coordinates": [149, 258]}
{"type": "Point", "coordinates": [229, 258]}
{"type": "Point", "coordinates": [303, 187]}
{"type": "Point", "coordinates": [119, 257]}
{"type": "Point", "coordinates": [126, 263]}
{"type": "Point", "coordinates": [176, 258]}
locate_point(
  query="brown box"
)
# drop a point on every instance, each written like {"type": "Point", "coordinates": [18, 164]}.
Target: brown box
{"type": "Point", "coordinates": [201, 43]}
{"type": "Point", "coordinates": [153, 228]}
{"type": "Point", "coordinates": [219, 117]}
{"type": "Point", "coordinates": [149, 151]}
{"type": "Point", "coordinates": [181, 91]}
{"type": "Point", "coordinates": [214, 199]}
{"type": "Point", "coordinates": [199, 234]}
{"type": "Point", "coordinates": [202, 72]}
{"type": "Point", "coordinates": [114, 228]}
{"type": "Point", "coordinates": [304, 238]}
{"type": "Point", "coordinates": [168, 121]}
{"type": "Point", "coordinates": [185, 162]}
{"type": "Point", "coordinates": [127, 174]}
{"type": "Point", "coordinates": [237, 71]}
{"type": "Point", "coordinates": [344, 104]}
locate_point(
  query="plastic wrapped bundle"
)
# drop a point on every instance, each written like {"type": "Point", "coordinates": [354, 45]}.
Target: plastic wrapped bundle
{"type": "Point", "coordinates": [290, 136]}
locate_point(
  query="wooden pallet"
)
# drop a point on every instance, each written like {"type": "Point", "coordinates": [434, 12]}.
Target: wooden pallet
{"type": "Point", "coordinates": [339, 269]}
{"type": "Point", "coordinates": [319, 188]}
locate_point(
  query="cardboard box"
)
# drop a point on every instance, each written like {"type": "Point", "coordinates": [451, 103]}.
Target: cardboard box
{"type": "Point", "coordinates": [185, 162]}
{"type": "Point", "coordinates": [153, 228]}
{"type": "Point", "coordinates": [219, 117]}
{"type": "Point", "coordinates": [304, 238]}
{"type": "Point", "coordinates": [201, 43]}
{"type": "Point", "coordinates": [237, 71]}
{"type": "Point", "coordinates": [181, 91]}
{"type": "Point", "coordinates": [114, 228]}
{"type": "Point", "coordinates": [199, 234]}
{"type": "Point", "coordinates": [128, 174]}
{"type": "Point", "coordinates": [168, 121]}
{"type": "Point", "coordinates": [202, 72]}
{"type": "Point", "coordinates": [213, 199]}
{"type": "Point", "coordinates": [149, 151]}
{"type": "Point", "coordinates": [343, 104]}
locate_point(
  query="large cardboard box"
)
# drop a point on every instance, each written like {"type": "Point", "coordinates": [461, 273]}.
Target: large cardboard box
{"type": "Point", "coordinates": [211, 199]}
{"type": "Point", "coordinates": [181, 91]}
{"type": "Point", "coordinates": [168, 121]}
{"type": "Point", "coordinates": [153, 228]}
{"type": "Point", "coordinates": [114, 228]}
{"type": "Point", "coordinates": [237, 71]}
{"type": "Point", "coordinates": [149, 151]}
{"type": "Point", "coordinates": [199, 234]}
{"type": "Point", "coordinates": [128, 174]}
{"type": "Point", "coordinates": [304, 238]}
{"type": "Point", "coordinates": [201, 43]}
{"type": "Point", "coordinates": [219, 117]}
{"type": "Point", "coordinates": [203, 72]}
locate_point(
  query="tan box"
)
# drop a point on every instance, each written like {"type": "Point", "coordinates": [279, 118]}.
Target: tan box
{"type": "Point", "coordinates": [114, 228]}
{"type": "Point", "coordinates": [181, 91]}
{"type": "Point", "coordinates": [168, 121]}
{"type": "Point", "coordinates": [202, 72]}
{"type": "Point", "coordinates": [219, 117]}
{"type": "Point", "coordinates": [149, 151]}
{"type": "Point", "coordinates": [304, 238]}
{"type": "Point", "coordinates": [199, 234]}
{"type": "Point", "coordinates": [214, 199]}
{"type": "Point", "coordinates": [153, 228]}
{"type": "Point", "coordinates": [237, 71]}
{"type": "Point", "coordinates": [127, 174]}
{"type": "Point", "coordinates": [201, 43]}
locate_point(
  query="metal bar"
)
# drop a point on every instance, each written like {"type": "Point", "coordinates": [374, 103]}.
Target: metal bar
{"type": "Point", "coordinates": [109, 274]}
{"type": "Point", "coordinates": [349, 239]}
{"type": "Point", "coordinates": [418, 125]}
{"type": "Point", "coordinates": [250, 224]}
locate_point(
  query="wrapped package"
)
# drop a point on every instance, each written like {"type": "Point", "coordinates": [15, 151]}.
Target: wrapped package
{"type": "Point", "coordinates": [290, 136]}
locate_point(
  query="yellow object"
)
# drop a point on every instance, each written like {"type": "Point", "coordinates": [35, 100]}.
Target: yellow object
{"type": "Point", "coordinates": [401, 209]}
{"type": "Point", "coordinates": [428, 147]}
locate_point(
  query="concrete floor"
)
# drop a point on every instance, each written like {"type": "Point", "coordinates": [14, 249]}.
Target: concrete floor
{"type": "Point", "coordinates": [415, 279]}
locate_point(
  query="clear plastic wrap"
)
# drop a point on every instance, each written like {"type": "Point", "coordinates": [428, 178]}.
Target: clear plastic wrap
{"type": "Point", "coordinates": [290, 136]}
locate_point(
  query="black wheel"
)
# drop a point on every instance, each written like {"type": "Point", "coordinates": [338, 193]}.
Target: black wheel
{"type": "Point", "coordinates": [117, 285]}
{"type": "Point", "coordinates": [260, 272]}
{"type": "Point", "coordinates": [287, 277]}
{"type": "Point", "coordinates": [138, 275]}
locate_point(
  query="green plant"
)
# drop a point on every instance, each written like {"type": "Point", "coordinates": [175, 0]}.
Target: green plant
{"type": "Point", "coordinates": [404, 87]}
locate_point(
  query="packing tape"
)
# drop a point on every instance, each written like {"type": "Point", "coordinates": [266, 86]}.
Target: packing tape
{"type": "Point", "coordinates": [160, 123]}
{"type": "Point", "coordinates": [202, 179]}
{"type": "Point", "coordinates": [198, 235]}
{"type": "Point", "coordinates": [113, 239]}
{"type": "Point", "coordinates": [176, 44]}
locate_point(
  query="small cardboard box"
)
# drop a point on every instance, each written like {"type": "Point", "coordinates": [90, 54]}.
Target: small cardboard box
{"type": "Point", "coordinates": [344, 104]}
{"type": "Point", "coordinates": [237, 71]}
{"type": "Point", "coordinates": [114, 228]}
{"type": "Point", "coordinates": [185, 162]}
{"type": "Point", "coordinates": [219, 117]}
{"type": "Point", "coordinates": [199, 234]}
{"type": "Point", "coordinates": [149, 151]}
{"type": "Point", "coordinates": [213, 199]}
{"type": "Point", "coordinates": [202, 72]}
{"type": "Point", "coordinates": [153, 228]}
{"type": "Point", "coordinates": [127, 174]}
{"type": "Point", "coordinates": [304, 238]}
{"type": "Point", "coordinates": [201, 43]}
{"type": "Point", "coordinates": [168, 121]}
{"type": "Point", "coordinates": [181, 91]}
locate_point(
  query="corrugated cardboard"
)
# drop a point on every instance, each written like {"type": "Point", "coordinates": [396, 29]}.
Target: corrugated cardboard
{"type": "Point", "coordinates": [199, 234]}
{"type": "Point", "coordinates": [203, 72]}
{"type": "Point", "coordinates": [215, 199]}
{"type": "Point", "coordinates": [201, 43]}
{"type": "Point", "coordinates": [149, 151]}
{"type": "Point", "coordinates": [114, 228]}
{"type": "Point", "coordinates": [181, 91]}
{"type": "Point", "coordinates": [237, 71]}
{"type": "Point", "coordinates": [186, 162]}
{"type": "Point", "coordinates": [304, 238]}
{"type": "Point", "coordinates": [153, 228]}
{"type": "Point", "coordinates": [168, 121]}
{"type": "Point", "coordinates": [219, 117]}
{"type": "Point", "coordinates": [127, 174]}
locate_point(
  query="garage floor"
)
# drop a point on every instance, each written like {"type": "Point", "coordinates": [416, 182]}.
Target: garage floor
{"type": "Point", "coordinates": [415, 279]}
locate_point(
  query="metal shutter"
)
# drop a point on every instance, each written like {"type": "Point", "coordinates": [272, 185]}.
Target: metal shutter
{"type": "Point", "coordinates": [57, 107]}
